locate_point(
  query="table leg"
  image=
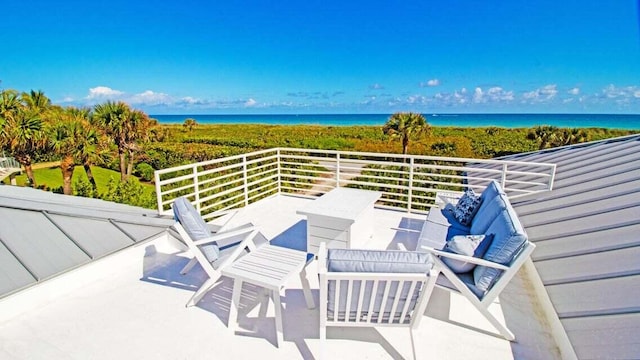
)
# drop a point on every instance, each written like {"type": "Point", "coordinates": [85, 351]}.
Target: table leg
{"type": "Point", "coordinates": [306, 289]}
{"type": "Point", "coordinates": [265, 294]}
{"type": "Point", "coordinates": [235, 305]}
{"type": "Point", "coordinates": [275, 294]}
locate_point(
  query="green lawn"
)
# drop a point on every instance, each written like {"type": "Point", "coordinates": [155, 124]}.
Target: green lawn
{"type": "Point", "coordinates": [52, 178]}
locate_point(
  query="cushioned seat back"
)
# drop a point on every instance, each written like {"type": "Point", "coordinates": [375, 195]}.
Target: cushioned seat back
{"type": "Point", "coordinates": [194, 225]}
{"type": "Point", "coordinates": [371, 261]}
{"type": "Point", "coordinates": [491, 204]}
{"type": "Point", "coordinates": [508, 238]}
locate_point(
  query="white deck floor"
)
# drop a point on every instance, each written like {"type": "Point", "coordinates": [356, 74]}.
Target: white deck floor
{"type": "Point", "coordinates": [131, 306]}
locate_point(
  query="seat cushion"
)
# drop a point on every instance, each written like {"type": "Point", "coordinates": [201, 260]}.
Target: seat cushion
{"type": "Point", "coordinates": [469, 245]}
{"type": "Point", "coordinates": [466, 278]}
{"type": "Point", "coordinates": [377, 261]}
{"type": "Point", "coordinates": [193, 224]}
{"type": "Point", "coordinates": [508, 238]}
{"type": "Point", "coordinates": [435, 235]}
{"type": "Point", "coordinates": [467, 207]}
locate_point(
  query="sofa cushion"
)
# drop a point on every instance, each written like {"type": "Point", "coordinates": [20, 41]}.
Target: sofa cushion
{"type": "Point", "coordinates": [466, 278]}
{"type": "Point", "coordinates": [469, 245]}
{"type": "Point", "coordinates": [490, 207]}
{"type": "Point", "coordinates": [508, 238]}
{"type": "Point", "coordinates": [194, 225]}
{"type": "Point", "coordinates": [467, 207]}
{"type": "Point", "coordinates": [367, 261]}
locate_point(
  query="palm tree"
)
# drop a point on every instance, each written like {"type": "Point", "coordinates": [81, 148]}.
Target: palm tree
{"type": "Point", "coordinates": [189, 123]}
{"type": "Point", "coordinates": [90, 147]}
{"type": "Point", "coordinates": [126, 128]}
{"type": "Point", "coordinates": [23, 137]}
{"type": "Point", "coordinates": [65, 137]}
{"type": "Point", "coordinates": [114, 118]}
{"type": "Point", "coordinates": [9, 105]}
{"type": "Point", "coordinates": [405, 125]}
{"type": "Point", "coordinates": [139, 126]}
{"type": "Point", "coordinates": [37, 101]}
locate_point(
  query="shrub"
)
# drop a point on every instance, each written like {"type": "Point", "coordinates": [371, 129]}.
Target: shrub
{"type": "Point", "coordinates": [128, 192]}
{"type": "Point", "coordinates": [145, 171]}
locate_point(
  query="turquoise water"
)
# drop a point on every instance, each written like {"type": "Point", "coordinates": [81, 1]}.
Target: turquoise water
{"type": "Point", "coordinates": [616, 121]}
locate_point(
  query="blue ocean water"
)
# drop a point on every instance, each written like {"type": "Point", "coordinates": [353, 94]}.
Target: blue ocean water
{"type": "Point", "coordinates": [610, 121]}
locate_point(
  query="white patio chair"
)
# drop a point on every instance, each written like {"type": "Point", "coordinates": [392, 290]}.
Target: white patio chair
{"type": "Point", "coordinates": [464, 283]}
{"type": "Point", "coordinates": [368, 288]}
{"type": "Point", "coordinates": [213, 252]}
{"type": "Point", "coordinates": [214, 228]}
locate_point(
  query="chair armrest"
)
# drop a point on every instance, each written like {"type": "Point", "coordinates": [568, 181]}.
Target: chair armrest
{"type": "Point", "coordinates": [226, 235]}
{"type": "Point", "coordinates": [448, 197]}
{"type": "Point", "coordinates": [471, 259]}
{"type": "Point", "coordinates": [322, 259]}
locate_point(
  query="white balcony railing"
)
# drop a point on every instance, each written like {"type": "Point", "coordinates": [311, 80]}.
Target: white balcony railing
{"type": "Point", "coordinates": [8, 166]}
{"type": "Point", "coordinates": [408, 182]}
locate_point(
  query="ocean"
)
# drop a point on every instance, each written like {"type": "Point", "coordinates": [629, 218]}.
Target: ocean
{"type": "Point", "coordinates": [610, 121]}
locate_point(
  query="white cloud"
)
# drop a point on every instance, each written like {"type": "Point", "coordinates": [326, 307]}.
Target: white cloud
{"type": "Point", "coordinates": [103, 92]}
{"type": "Point", "coordinates": [574, 91]}
{"type": "Point", "coordinates": [478, 95]}
{"type": "Point", "coordinates": [376, 87]}
{"type": "Point", "coordinates": [150, 98]}
{"type": "Point", "coordinates": [430, 83]}
{"type": "Point", "coordinates": [190, 100]}
{"type": "Point", "coordinates": [545, 93]}
{"type": "Point", "coordinates": [614, 92]}
{"type": "Point", "coordinates": [250, 103]}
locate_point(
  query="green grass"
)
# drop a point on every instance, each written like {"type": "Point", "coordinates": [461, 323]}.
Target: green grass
{"type": "Point", "coordinates": [52, 178]}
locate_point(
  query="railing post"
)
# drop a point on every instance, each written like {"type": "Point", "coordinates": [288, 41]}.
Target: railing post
{"type": "Point", "coordinates": [552, 177]}
{"type": "Point", "coordinates": [337, 169]}
{"type": "Point", "coordinates": [156, 176]}
{"type": "Point", "coordinates": [410, 191]}
{"type": "Point", "coordinates": [246, 182]}
{"type": "Point", "coordinates": [196, 187]}
{"type": "Point", "coordinates": [279, 173]}
{"type": "Point", "coordinates": [503, 181]}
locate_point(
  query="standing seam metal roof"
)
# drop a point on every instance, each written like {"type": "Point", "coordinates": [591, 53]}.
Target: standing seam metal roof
{"type": "Point", "coordinates": [586, 232]}
{"type": "Point", "coordinates": [43, 234]}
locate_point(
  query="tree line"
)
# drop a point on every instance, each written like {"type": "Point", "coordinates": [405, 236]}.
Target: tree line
{"type": "Point", "coordinates": [30, 125]}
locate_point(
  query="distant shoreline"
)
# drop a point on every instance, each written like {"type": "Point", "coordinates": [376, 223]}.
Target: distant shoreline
{"type": "Point", "coordinates": [608, 121]}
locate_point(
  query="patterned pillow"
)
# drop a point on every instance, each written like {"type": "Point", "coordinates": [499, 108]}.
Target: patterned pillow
{"type": "Point", "coordinates": [467, 207]}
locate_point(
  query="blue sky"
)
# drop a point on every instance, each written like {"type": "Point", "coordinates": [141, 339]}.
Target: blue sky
{"type": "Point", "coordinates": [230, 57]}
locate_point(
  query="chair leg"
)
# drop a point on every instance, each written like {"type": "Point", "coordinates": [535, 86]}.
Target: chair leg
{"type": "Point", "coordinates": [323, 340]}
{"type": "Point", "coordinates": [235, 304]}
{"type": "Point", "coordinates": [275, 295]}
{"type": "Point", "coordinates": [306, 289]}
{"type": "Point", "coordinates": [264, 302]}
{"type": "Point", "coordinates": [413, 343]}
{"type": "Point", "coordinates": [189, 266]}
{"type": "Point", "coordinates": [197, 296]}
{"type": "Point", "coordinates": [506, 333]}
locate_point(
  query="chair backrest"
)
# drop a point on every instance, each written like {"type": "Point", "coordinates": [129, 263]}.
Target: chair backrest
{"type": "Point", "coordinates": [194, 226]}
{"type": "Point", "coordinates": [370, 294]}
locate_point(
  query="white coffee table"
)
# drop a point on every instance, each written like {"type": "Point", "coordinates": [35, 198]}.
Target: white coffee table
{"type": "Point", "coordinates": [342, 218]}
{"type": "Point", "coordinates": [269, 267]}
